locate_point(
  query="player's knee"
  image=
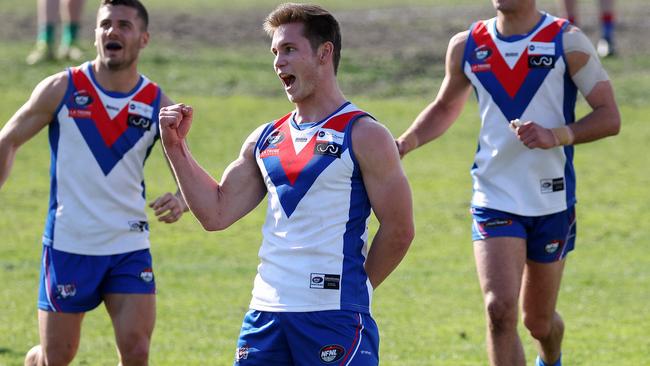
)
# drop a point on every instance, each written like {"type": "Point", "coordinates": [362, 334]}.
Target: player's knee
{"type": "Point", "coordinates": [56, 356]}
{"type": "Point", "coordinates": [539, 327]}
{"type": "Point", "coordinates": [135, 352]}
{"type": "Point", "coordinates": [501, 314]}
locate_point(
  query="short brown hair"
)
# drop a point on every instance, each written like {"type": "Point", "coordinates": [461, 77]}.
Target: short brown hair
{"type": "Point", "coordinates": [135, 4]}
{"type": "Point", "coordinates": [320, 25]}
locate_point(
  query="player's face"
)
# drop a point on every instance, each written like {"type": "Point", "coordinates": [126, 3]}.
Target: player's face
{"type": "Point", "coordinates": [119, 36]}
{"type": "Point", "coordinates": [295, 63]}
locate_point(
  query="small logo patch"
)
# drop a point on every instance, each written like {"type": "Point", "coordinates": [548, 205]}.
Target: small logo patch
{"type": "Point", "coordinates": [324, 281]}
{"type": "Point", "coordinates": [482, 53]}
{"type": "Point", "coordinates": [138, 226]}
{"type": "Point", "coordinates": [241, 353]}
{"type": "Point", "coordinates": [82, 98]}
{"type": "Point", "coordinates": [330, 149]}
{"type": "Point", "coordinates": [147, 275]}
{"type": "Point", "coordinates": [553, 246]}
{"type": "Point", "coordinates": [552, 185]}
{"type": "Point", "coordinates": [331, 353]}
{"type": "Point", "coordinates": [275, 138]}
{"type": "Point", "coordinates": [541, 62]}
{"type": "Point", "coordinates": [79, 113]}
{"type": "Point", "coordinates": [137, 121]}
{"type": "Point", "coordinates": [497, 223]}
{"type": "Point", "coordinates": [65, 291]}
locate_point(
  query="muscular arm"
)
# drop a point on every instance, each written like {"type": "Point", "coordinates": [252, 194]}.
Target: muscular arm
{"type": "Point", "coordinates": [591, 79]}
{"type": "Point", "coordinates": [215, 204]}
{"type": "Point", "coordinates": [390, 198]}
{"type": "Point", "coordinates": [35, 114]}
{"type": "Point", "coordinates": [438, 116]}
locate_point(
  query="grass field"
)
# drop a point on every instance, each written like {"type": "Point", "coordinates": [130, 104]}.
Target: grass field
{"type": "Point", "coordinates": [430, 310]}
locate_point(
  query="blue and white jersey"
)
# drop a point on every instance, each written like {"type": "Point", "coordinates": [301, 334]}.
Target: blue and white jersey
{"type": "Point", "coordinates": [315, 236]}
{"type": "Point", "coordinates": [521, 77]}
{"type": "Point", "coordinates": [99, 141]}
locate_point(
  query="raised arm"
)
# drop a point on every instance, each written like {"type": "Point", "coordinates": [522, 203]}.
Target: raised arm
{"type": "Point", "coordinates": [35, 114]}
{"type": "Point", "coordinates": [216, 205]}
{"type": "Point", "coordinates": [438, 116]}
{"type": "Point", "coordinates": [389, 194]}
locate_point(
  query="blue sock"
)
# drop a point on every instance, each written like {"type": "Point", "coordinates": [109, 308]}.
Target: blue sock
{"type": "Point", "coordinates": [539, 362]}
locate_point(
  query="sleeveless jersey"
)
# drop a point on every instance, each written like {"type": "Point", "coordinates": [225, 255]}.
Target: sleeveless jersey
{"type": "Point", "coordinates": [99, 141]}
{"type": "Point", "coordinates": [521, 77]}
{"type": "Point", "coordinates": [315, 236]}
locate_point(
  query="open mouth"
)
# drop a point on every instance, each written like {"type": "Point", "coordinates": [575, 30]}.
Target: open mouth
{"type": "Point", "coordinates": [113, 46]}
{"type": "Point", "coordinates": [287, 80]}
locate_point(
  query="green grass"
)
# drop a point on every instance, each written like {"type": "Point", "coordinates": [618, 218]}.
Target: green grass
{"type": "Point", "coordinates": [430, 310]}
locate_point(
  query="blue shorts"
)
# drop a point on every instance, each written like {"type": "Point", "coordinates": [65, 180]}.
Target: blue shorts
{"type": "Point", "coordinates": [334, 337]}
{"type": "Point", "coordinates": [76, 283]}
{"type": "Point", "coordinates": [548, 238]}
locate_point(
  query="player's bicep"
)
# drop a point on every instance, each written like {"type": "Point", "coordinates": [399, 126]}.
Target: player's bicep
{"type": "Point", "coordinates": [383, 176]}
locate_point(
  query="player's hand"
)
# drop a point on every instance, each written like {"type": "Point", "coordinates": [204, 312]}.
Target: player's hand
{"type": "Point", "coordinates": [168, 207]}
{"type": "Point", "coordinates": [535, 136]}
{"type": "Point", "coordinates": [175, 122]}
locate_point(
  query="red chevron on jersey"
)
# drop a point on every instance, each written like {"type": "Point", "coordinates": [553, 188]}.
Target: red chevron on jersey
{"type": "Point", "coordinates": [109, 129]}
{"type": "Point", "coordinates": [510, 79]}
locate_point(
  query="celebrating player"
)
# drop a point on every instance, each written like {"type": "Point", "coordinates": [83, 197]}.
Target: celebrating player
{"type": "Point", "coordinates": [526, 67]}
{"type": "Point", "coordinates": [324, 166]}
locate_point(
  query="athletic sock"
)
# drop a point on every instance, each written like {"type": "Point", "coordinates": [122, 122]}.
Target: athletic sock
{"type": "Point", "coordinates": [607, 26]}
{"type": "Point", "coordinates": [46, 34]}
{"type": "Point", "coordinates": [69, 34]}
{"type": "Point", "coordinates": [539, 362]}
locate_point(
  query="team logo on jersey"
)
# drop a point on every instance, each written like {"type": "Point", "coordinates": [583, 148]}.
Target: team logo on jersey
{"type": "Point", "coordinates": [137, 121]}
{"type": "Point", "coordinates": [82, 98]}
{"type": "Point", "coordinates": [65, 291]}
{"type": "Point", "coordinates": [138, 226]}
{"type": "Point", "coordinates": [553, 246]}
{"type": "Point", "coordinates": [330, 149]}
{"type": "Point", "coordinates": [541, 62]}
{"type": "Point", "coordinates": [552, 185]}
{"type": "Point", "coordinates": [541, 48]}
{"type": "Point", "coordinates": [482, 53]}
{"type": "Point", "coordinates": [331, 353]}
{"type": "Point", "coordinates": [275, 138]}
{"type": "Point", "coordinates": [325, 281]}
{"type": "Point", "coordinates": [147, 275]}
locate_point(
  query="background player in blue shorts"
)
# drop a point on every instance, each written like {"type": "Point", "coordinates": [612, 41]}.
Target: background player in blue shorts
{"type": "Point", "coordinates": [605, 45]}
{"type": "Point", "coordinates": [324, 167]}
{"type": "Point", "coordinates": [525, 67]}
{"type": "Point", "coordinates": [103, 121]}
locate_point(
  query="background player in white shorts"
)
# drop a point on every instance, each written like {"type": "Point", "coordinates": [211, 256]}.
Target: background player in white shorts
{"type": "Point", "coordinates": [526, 67]}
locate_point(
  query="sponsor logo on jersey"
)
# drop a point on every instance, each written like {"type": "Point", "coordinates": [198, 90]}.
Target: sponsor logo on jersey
{"type": "Point", "coordinates": [138, 121]}
{"type": "Point", "coordinates": [82, 98]}
{"type": "Point", "coordinates": [65, 291]}
{"type": "Point", "coordinates": [269, 152]}
{"type": "Point", "coordinates": [330, 149]}
{"type": "Point", "coordinates": [147, 275]}
{"type": "Point", "coordinates": [327, 135]}
{"type": "Point", "coordinates": [512, 54]}
{"type": "Point", "coordinates": [325, 281]}
{"type": "Point", "coordinates": [138, 226]}
{"type": "Point", "coordinates": [79, 113]}
{"type": "Point", "coordinates": [481, 68]}
{"type": "Point", "coordinates": [553, 246]}
{"type": "Point", "coordinates": [141, 109]}
{"type": "Point", "coordinates": [301, 139]}
{"type": "Point", "coordinates": [541, 62]}
{"type": "Point", "coordinates": [541, 48]}
{"type": "Point", "coordinates": [331, 353]}
{"type": "Point", "coordinates": [497, 223]}
{"type": "Point", "coordinates": [112, 108]}
{"type": "Point", "coordinates": [552, 185]}
{"type": "Point", "coordinates": [482, 53]}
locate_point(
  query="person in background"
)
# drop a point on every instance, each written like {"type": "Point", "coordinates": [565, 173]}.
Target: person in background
{"type": "Point", "coordinates": [605, 45]}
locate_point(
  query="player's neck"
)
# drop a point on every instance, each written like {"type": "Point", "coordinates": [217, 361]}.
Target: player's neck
{"type": "Point", "coordinates": [517, 23]}
{"type": "Point", "coordinates": [121, 81]}
{"type": "Point", "coordinates": [318, 106]}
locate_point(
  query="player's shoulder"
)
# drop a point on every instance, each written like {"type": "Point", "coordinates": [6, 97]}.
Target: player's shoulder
{"type": "Point", "coordinates": [51, 90]}
{"type": "Point", "coordinates": [367, 130]}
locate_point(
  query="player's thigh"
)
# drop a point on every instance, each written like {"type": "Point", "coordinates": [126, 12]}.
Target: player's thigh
{"type": "Point", "coordinates": [332, 337]}
{"type": "Point", "coordinates": [133, 317]}
{"type": "Point", "coordinates": [540, 288]}
{"type": "Point", "coordinates": [59, 333]}
{"type": "Point", "coordinates": [500, 264]}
